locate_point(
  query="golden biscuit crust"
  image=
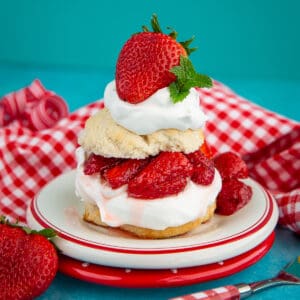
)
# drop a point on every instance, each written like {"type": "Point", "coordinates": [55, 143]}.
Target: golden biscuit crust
{"type": "Point", "coordinates": [103, 136]}
{"type": "Point", "coordinates": [92, 215]}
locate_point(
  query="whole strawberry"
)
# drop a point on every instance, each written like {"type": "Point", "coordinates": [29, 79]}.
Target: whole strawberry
{"type": "Point", "coordinates": [230, 165]}
{"type": "Point", "coordinates": [28, 261]}
{"type": "Point", "coordinates": [235, 194]}
{"type": "Point", "coordinates": [146, 63]}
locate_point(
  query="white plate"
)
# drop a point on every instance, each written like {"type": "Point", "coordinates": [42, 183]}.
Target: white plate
{"type": "Point", "coordinates": [56, 206]}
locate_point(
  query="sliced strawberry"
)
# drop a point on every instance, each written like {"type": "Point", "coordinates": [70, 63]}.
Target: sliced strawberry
{"type": "Point", "coordinates": [156, 189]}
{"type": "Point", "coordinates": [233, 196]}
{"type": "Point", "coordinates": [123, 172]}
{"type": "Point", "coordinates": [97, 163]}
{"type": "Point", "coordinates": [203, 168]}
{"type": "Point", "coordinates": [165, 175]}
{"type": "Point", "coordinates": [205, 149]}
{"type": "Point", "coordinates": [230, 165]}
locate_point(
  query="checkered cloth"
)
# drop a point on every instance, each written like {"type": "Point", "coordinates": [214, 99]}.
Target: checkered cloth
{"type": "Point", "coordinates": [269, 143]}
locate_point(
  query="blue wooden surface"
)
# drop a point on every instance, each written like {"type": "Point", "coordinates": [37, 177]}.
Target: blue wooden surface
{"type": "Point", "coordinates": [82, 86]}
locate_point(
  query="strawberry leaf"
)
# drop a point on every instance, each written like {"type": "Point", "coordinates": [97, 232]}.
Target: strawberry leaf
{"type": "Point", "coordinates": [173, 34]}
{"type": "Point", "coordinates": [47, 233]}
{"type": "Point", "coordinates": [186, 78]}
{"type": "Point", "coordinates": [186, 45]}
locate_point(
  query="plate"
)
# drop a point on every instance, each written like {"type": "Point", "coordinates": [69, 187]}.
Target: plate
{"type": "Point", "coordinates": [220, 239]}
{"type": "Point", "coordinates": [139, 278]}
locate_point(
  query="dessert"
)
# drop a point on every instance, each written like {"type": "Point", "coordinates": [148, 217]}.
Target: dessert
{"type": "Point", "coordinates": [143, 163]}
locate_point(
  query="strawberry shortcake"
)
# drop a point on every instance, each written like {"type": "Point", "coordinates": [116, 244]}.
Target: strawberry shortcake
{"type": "Point", "coordinates": [143, 163]}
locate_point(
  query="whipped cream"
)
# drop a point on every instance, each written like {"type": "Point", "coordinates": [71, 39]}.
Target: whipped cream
{"type": "Point", "coordinates": [155, 113]}
{"type": "Point", "coordinates": [117, 209]}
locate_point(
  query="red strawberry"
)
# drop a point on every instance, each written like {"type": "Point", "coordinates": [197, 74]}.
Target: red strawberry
{"type": "Point", "coordinates": [97, 163]}
{"type": "Point", "coordinates": [155, 188]}
{"type": "Point", "coordinates": [145, 61]}
{"type": "Point", "coordinates": [153, 60]}
{"type": "Point", "coordinates": [28, 262]}
{"type": "Point", "coordinates": [203, 168]}
{"type": "Point", "coordinates": [233, 196]}
{"type": "Point", "coordinates": [230, 165]}
{"type": "Point", "coordinates": [144, 65]}
{"type": "Point", "coordinates": [165, 175]}
{"type": "Point", "coordinates": [122, 173]}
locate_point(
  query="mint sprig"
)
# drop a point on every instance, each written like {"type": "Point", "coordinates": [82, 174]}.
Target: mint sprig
{"type": "Point", "coordinates": [186, 78]}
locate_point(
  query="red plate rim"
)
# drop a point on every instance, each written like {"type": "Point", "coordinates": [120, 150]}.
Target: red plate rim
{"type": "Point", "coordinates": [139, 278]}
{"type": "Point", "coordinates": [38, 216]}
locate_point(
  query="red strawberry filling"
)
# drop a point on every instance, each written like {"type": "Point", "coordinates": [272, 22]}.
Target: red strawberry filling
{"type": "Point", "coordinates": [204, 170]}
{"type": "Point", "coordinates": [123, 172]}
{"type": "Point", "coordinates": [160, 176]}
{"type": "Point", "coordinates": [165, 175]}
{"type": "Point", "coordinates": [97, 163]}
{"type": "Point", "coordinates": [168, 173]}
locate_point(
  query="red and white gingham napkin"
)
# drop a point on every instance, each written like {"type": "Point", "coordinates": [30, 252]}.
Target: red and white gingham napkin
{"type": "Point", "coordinates": [34, 151]}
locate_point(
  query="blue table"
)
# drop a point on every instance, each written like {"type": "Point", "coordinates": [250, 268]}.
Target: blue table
{"type": "Point", "coordinates": [80, 87]}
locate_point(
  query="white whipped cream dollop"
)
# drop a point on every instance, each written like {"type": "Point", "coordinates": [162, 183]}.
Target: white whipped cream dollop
{"type": "Point", "coordinates": [155, 113]}
{"type": "Point", "coordinates": [117, 209]}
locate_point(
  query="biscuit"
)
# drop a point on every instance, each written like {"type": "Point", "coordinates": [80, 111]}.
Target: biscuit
{"type": "Point", "coordinates": [103, 136]}
{"type": "Point", "coordinates": [92, 215]}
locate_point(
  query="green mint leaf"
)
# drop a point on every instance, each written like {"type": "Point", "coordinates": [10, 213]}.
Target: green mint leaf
{"type": "Point", "coordinates": [176, 94]}
{"type": "Point", "coordinates": [186, 78]}
{"type": "Point", "coordinates": [204, 81]}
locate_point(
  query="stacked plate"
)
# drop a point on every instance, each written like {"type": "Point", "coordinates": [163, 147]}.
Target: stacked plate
{"type": "Point", "coordinates": [222, 246]}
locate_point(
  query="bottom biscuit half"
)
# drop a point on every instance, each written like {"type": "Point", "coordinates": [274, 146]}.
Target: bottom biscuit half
{"type": "Point", "coordinates": [92, 215]}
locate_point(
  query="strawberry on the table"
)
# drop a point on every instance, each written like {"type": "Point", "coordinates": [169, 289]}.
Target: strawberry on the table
{"type": "Point", "coordinates": [28, 261]}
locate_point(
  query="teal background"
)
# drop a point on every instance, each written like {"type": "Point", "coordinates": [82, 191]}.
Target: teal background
{"type": "Point", "coordinates": [236, 38]}
{"type": "Point", "coordinates": [72, 45]}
